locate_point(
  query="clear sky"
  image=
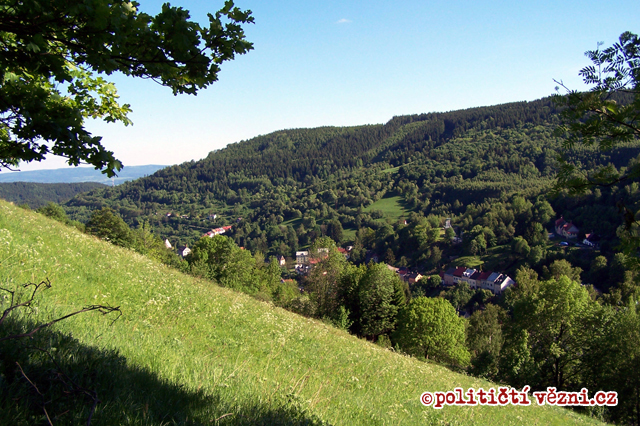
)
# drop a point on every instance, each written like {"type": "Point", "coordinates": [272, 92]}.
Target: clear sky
{"type": "Point", "coordinates": [343, 63]}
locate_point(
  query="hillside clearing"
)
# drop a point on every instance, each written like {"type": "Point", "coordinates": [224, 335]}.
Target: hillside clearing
{"type": "Point", "coordinates": [392, 207]}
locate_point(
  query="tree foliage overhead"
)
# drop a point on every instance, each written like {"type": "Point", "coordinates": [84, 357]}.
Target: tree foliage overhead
{"type": "Point", "coordinates": [47, 46]}
{"type": "Point", "coordinates": [606, 116]}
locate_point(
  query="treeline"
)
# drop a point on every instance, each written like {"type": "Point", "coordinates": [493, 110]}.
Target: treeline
{"type": "Point", "coordinates": [37, 195]}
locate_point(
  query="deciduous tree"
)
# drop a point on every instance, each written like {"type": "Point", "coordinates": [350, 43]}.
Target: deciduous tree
{"type": "Point", "coordinates": [57, 46]}
{"type": "Point", "coordinates": [430, 328]}
{"type": "Point", "coordinates": [107, 225]}
{"type": "Point", "coordinates": [380, 298]}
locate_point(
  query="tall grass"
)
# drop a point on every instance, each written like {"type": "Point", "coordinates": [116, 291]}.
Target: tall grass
{"type": "Point", "coordinates": [188, 352]}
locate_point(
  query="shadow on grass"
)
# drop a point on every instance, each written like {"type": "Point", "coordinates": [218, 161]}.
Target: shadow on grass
{"type": "Point", "coordinates": [66, 378]}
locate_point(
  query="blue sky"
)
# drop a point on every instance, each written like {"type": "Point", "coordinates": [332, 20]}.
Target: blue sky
{"type": "Point", "coordinates": [343, 63]}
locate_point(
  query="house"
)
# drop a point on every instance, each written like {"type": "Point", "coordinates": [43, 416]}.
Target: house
{"type": "Point", "coordinates": [217, 231]}
{"type": "Point", "coordinates": [281, 260]}
{"type": "Point", "coordinates": [184, 251]}
{"type": "Point", "coordinates": [345, 252]}
{"type": "Point", "coordinates": [467, 274]}
{"type": "Point", "coordinates": [213, 216]}
{"type": "Point", "coordinates": [474, 279]}
{"type": "Point", "coordinates": [447, 223]}
{"type": "Point", "coordinates": [167, 244]}
{"type": "Point", "coordinates": [302, 257]}
{"type": "Point", "coordinates": [495, 282]}
{"type": "Point", "coordinates": [302, 269]}
{"type": "Point", "coordinates": [413, 277]}
{"type": "Point", "coordinates": [402, 272]}
{"type": "Point", "coordinates": [314, 261]}
{"type": "Point", "coordinates": [566, 229]}
{"type": "Point", "coordinates": [502, 283]}
{"type": "Point", "coordinates": [372, 257]}
{"type": "Point", "coordinates": [481, 279]}
{"type": "Point", "coordinates": [591, 240]}
{"type": "Point", "coordinates": [457, 274]}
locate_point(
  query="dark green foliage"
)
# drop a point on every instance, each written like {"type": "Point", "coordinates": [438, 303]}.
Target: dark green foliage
{"type": "Point", "coordinates": [56, 212]}
{"type": "Point", "coordinates": [107, 225]}
{"type": "Point", "coordinates": [607, 117]}
{"type": "Point", "coordinates": [37, 195]}
{"type": "Point", "coordinates": [485, 340]}
{"type": "Point", "coordinates": [459, 296]}
{"type": "Point", "coordinates": [487, 167]}
{"type": "Point", "coordinates": [556, 321]}
{"type": "Point", "coordinates": [324, 280]}
{"type": "Point", "coordinates": [612, 359]}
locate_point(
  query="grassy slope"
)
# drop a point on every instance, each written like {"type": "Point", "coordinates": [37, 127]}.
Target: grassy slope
{"type": "Point", "coordinates": [236, 354]}
{"type": "Point", "coordinates": [392, 207]}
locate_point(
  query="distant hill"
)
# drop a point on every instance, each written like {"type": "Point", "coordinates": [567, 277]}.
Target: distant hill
{"type": "Point", "coordinates": [79, 174]}
{"type": "Point", "coordinates": [446, 165]}
{"type": "Point", "coordinates": [36, 195]}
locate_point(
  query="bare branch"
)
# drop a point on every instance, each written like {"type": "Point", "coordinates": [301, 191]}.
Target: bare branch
{"type": "Point", "coordinates": [103, 309]}
{"type": "Point", "coordinates": [46, 283]}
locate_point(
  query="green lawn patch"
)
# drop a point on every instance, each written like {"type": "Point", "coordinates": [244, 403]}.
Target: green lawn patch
{"type": "Point", "coordinates": [349, 234]}
{"type": "Point", "coordinates": [497, 258]}
{"type": "Point", "coordinates": [392, 207]}
{"type": "Point", "coordinates": [468, 261]}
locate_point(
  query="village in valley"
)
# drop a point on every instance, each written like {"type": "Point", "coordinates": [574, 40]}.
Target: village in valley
{"type": "Point", "coordinates": [476, 278]}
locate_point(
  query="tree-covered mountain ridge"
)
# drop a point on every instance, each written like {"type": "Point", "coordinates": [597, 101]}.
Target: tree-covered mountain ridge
{"type": "Point", "coordinates": [435, 163]}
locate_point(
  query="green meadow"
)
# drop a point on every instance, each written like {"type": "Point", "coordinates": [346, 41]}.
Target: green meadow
{"type": "Point", "coordinates": [186, 351]}
{"type": "Point", "coordinates": [392, 207]}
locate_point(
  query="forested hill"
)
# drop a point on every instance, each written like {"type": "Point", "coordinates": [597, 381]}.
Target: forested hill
{"type": "Point", "coordinates": [291, 186]}
{"type": "Point", "coordinates": [36, 195]}
{"type": "Point", "coordinates": [302, 153]}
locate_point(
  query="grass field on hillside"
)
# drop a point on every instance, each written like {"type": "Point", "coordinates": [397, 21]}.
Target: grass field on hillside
{"type": "Point", "coordinates": [468, 261]}
{"type": "Point", "coordinates": [393, 207]}
{"type": "Point", "coordinates": [188, 352]}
